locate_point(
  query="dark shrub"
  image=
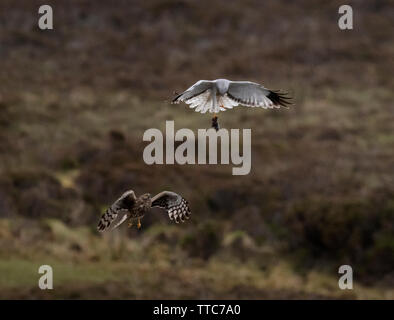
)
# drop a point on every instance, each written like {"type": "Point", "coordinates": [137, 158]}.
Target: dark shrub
{"type": "Point", "coordinates": [202, 241]}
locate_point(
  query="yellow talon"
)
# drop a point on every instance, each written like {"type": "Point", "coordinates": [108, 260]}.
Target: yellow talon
{"type": "Point", "coordinates": [139, 224]}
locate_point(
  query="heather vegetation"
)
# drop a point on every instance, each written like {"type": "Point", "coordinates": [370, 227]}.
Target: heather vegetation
{"type": "Point", "coordinates": [75, 102]}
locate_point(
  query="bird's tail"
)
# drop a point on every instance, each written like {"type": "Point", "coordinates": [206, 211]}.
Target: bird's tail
{"type": "Point", "coordinates": [215, 123]}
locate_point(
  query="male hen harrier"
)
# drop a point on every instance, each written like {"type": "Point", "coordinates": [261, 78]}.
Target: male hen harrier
{"type": "Point", "coordinates": [128, 206]}
{"type": "Point", "coordinates": [222, 94]}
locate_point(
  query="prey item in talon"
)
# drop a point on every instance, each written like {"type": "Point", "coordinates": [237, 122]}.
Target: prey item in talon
{"type": "Point", "coordinates": [129, 207]}
{"type": "Point", "coordinates": [215, 123]}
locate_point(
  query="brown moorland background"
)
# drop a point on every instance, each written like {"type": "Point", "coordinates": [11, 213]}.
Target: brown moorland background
{"type": "Point", "coordinates": [75, 102]}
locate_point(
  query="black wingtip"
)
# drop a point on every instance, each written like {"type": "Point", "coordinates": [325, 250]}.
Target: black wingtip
{"type": "Point", "coordinates": [177, 95]}
{"type": "Point", "coordinates": [100, 227]}
{"type": "Point", "coordinates": [280, 98]}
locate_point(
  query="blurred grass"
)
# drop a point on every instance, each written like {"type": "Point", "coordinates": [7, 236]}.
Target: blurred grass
{"type": "Point", "coordinates": [138, 277]}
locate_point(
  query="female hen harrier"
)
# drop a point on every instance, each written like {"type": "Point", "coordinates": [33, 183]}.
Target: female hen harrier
{"type": "Point", "coordinates": [222, 94]}
{"type": "Point", "coordinates": [128, 206]}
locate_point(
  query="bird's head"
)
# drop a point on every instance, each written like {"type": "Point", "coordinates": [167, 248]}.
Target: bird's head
{"type": "Point", "coordinates": [147, 200]}
{"type": "Point", "coordinates": [222, 85]}
{"type": "Point", "coordinates": [146, 196]}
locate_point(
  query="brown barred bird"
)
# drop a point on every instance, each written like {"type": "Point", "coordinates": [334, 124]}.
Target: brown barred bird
{"type": "Point", "coordinates": [221, 94]}
{"type": "Point", "coordinates": [129, 207]}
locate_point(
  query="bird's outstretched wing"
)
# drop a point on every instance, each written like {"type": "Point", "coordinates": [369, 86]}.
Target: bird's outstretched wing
{"type": "Point", "coordinates": [118, 212]}
{"type": "Point", "coordinates": [176, 206]}
{"type": "Point", "coordinates": [252, 94]}
{"type": "Point", "coordinates": [195, 90]}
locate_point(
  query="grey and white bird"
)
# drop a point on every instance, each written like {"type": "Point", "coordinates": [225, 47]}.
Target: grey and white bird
{"type": "Point", "coordinates": [129, 207]}
{"type": "Point", "coordinates": [221, 94]}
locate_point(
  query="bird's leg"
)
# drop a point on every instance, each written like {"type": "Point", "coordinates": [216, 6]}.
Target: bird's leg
{"type": "Point", "coordinates": [139, 223]}
{"type": "Point", "coordinates": [130, 223]}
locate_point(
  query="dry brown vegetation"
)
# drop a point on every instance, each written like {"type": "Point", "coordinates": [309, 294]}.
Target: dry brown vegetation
{"type": "Point", "coordinates": [75, 102]}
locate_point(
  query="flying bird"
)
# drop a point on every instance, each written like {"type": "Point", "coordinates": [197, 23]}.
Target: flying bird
{"type": "Point", "coordinates": [221, 94]}
{"type": "Point", "coordinates": [129, 207]}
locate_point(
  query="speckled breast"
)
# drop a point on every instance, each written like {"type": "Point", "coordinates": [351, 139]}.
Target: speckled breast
{"type": "Point", "coordinates": [140, 208]}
